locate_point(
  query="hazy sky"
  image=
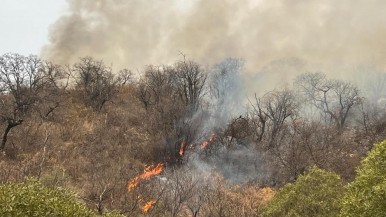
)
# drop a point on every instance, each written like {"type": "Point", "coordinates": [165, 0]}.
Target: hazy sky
{"type": "Point", "coordinates": [25, 24]}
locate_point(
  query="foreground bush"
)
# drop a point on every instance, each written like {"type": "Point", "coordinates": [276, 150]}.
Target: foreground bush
{"type": "Point", "coordinates": [316, 193]}
{"type": "Point", "coordinates": [366, 195]}
{"type": "Point", "coordinates": [31, 199]}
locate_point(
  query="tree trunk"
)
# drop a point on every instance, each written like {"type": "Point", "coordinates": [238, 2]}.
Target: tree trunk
{"type": "Point", "coordinates": [11, 124]}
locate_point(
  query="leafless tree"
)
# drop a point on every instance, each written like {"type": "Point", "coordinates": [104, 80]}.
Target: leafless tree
{"type": "Point", "coordinates": [335, 98]}
{"type": "Point", "coordinates": [271, 112]}
{"type": "Point", "coordinates": [124, 76]}
{"type": "Point", "coordinates": [184, 81]}
{"type": "Point", "coordinates": [190, 81]}
{"type": "Point", "coordinates": [96, 82]}
{"type": "Point", "coordinates": [372, 122]}
{"type": "Point", "coordinates": [170, 96]}
{"type": "Point", "coordinates": [144, 95]}
{"type": "Point", "coordinates": [258, 119]}
{"type": "Point", "coordinates": [155, 85]}
{"type": "Point", "coordinates": [279, 105]}
{"type": "Point", "coordinates": [24, 83]}
{"type": "Point", "coordinates": [181, 188]}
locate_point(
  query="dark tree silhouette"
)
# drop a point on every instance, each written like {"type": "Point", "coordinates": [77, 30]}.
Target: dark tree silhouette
{"type": "Point", "coordinates": [24, 82]}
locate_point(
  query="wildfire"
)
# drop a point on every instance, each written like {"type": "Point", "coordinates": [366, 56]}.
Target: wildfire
{"type": "Point", "coordinates": [145, 208]}
{"type": "Point", "coordinates": [149, 172]}
{"type": "Point", "coordinates": [152, 171]}
{"type": "Point", "coordinates": [207, 142]}
{"type": "Point", "coordinates": [133, 183]}
{"type": "Point", "coordinates": [182, 147]}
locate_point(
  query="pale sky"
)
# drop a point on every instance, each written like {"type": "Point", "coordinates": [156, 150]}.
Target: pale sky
{"type": "Point", "coordinates": [25, 24]}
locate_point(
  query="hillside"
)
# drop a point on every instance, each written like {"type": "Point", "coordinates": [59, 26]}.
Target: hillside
{"type": "Point", "coordinates": [180, 140]}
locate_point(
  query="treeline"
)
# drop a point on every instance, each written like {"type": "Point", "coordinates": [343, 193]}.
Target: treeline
{"type": "Point", "coordinates": [92, 129]}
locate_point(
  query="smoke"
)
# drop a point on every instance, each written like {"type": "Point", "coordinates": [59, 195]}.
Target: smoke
{"type": "Point", "coordinates": [226, 92]}
{"type": "Point", "coordinates": [135, 33]}
{"type": "Point", "coordinates": [239, 164]}
{"type": "Point", "coordinates": [277, 39]}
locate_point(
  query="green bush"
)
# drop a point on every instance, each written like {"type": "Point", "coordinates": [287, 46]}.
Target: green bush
{"type": "Point", "coordinates": [31, 199]}
{"type": "Point", "coordinates": [366, 195]}
{"type": "Point", "coordinates": [316, 193]}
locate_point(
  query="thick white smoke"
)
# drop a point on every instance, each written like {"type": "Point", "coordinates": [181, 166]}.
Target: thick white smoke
{"type": "Point", "coordinates": [134, 33]}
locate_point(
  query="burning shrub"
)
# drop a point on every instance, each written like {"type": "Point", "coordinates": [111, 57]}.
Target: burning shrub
{"type": "Point", "coordinates": [185, 191]}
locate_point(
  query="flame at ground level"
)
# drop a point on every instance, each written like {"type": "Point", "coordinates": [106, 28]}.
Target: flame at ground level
{"type": "Point", "coordinates": [149, 172]}
{"type": "Point", "coordinates": [182, 147]}
{"type": "Point", "coordinates": [207, 142]}
{"type": "Point", "coordinates": [152, 171]}
{"type": "Point", "coordinates": [132, 184]}
{"type": "Point", "coordinates": [145, 208]}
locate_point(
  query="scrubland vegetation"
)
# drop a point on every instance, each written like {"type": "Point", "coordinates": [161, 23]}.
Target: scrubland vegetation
{"type": "Point", "coordinates": [84, 140]}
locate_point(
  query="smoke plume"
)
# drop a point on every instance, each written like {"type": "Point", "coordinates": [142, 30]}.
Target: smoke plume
{"type": "Point", "coordinates": [134, 33]}
{"type": "Point", "coordinates": [277, 39]}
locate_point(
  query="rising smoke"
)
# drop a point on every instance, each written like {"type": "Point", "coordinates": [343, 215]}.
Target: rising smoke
{"type": "Point", "coordinates": [278, 39]}
{"type": "Point", "coordinates": [135, 33]}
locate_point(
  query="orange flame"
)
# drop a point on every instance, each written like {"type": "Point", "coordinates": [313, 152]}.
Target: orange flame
{"type": "Point", "coordinates": [207, 142]}
{"type": "Point", "coordinates": [133, 183]}
{"type": "Point", "coordinates": [147, 174]}
{"type": "Point", "coordinates": [182, 147]}
{"type": "Point", "coordinates": [152, 171]}
{"type": "Point", "coordinates": [145, 208]}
